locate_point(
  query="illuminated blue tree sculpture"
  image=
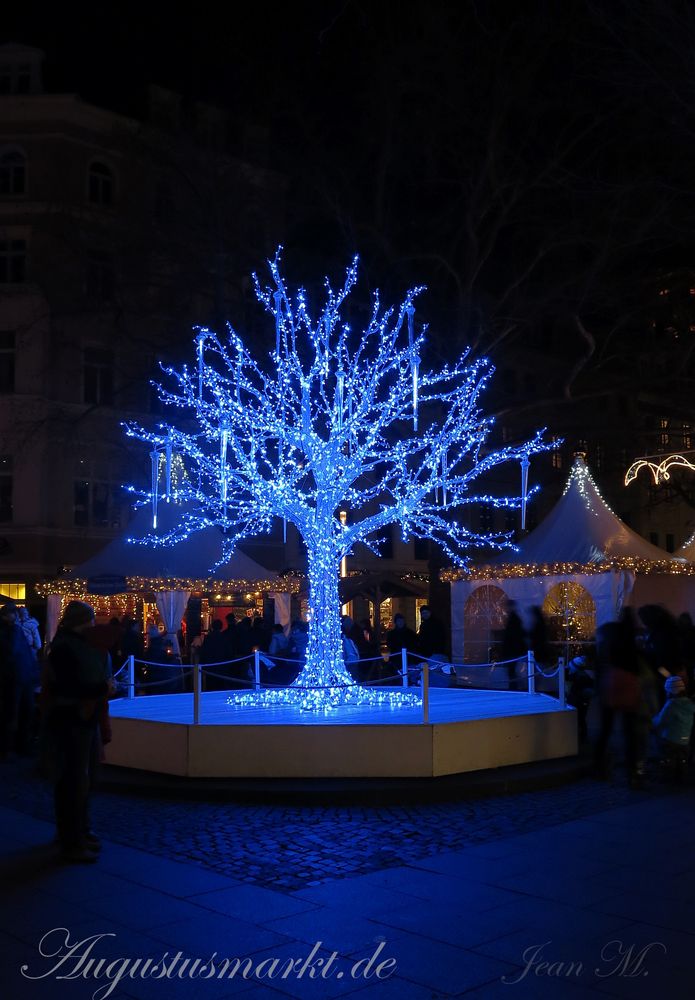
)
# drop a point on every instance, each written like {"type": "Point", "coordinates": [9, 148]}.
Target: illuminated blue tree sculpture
{"type": "Point", "coordinates": [329, 422]}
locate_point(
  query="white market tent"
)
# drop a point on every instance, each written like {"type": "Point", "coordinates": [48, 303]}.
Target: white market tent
{"type": "Point", "coordinates": [171, 572]}
{"type": "Point", "coordinates": [581, 542]}
{"type": "Point", "coordinates": [687, 550]}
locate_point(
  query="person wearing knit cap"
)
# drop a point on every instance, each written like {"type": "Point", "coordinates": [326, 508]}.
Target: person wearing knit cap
{"type": "Point", "coordinates": [77, 683]}
{"type": "Point", "coordinates": [674, 724]}
{"type": "Point", "coordinates": [76, 614]}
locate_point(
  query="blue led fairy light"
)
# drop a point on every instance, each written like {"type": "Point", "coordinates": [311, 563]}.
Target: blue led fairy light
{"type": "Point", "coordinates": [331, 420]}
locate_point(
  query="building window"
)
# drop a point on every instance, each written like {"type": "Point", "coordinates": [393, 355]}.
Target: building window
{"type": "Point", "coordinates": [13, 262]}
{"type": "Point", "coordinates": [96, 504]}
{"type": "Point", "coordinates": [421, 548]}
{"type": "Point", "coordinates": [101, 184]}
{"type": "Point", "coordinates": [556, 454]}
{"type": "Point", "coordinates": [510, 517]}
{"type": "Point", "coordinates": [13, 173]}
{"type": "Point", "coordinates": [663, 432]}
{"type": "Point", "coordinates": [99, 283]}
{"type": "Point", "coordinates": [97, 494]}
{"type": "Point", "coordinates": [7, 349]}
{"type": "Point", "coordinates": [670, 542]}
{"type": "Point", "coordinates": [98, 377]}
{"type": "Point", "coordinates": [486, 518]}
{"type": "Point", "coordinates": [15, 78]}
{"type": "Point", "coordinates": [653, 537]}
{"type": "Point", "coordinates": [687, 437]}
{"type": "Point", "coordinates": [5, 488]}
{"type": "Point", "coordinates": [15, 591]}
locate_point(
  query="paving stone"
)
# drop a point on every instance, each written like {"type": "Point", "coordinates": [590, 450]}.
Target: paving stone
{"type": "Point", "coordinates": [295, 846]}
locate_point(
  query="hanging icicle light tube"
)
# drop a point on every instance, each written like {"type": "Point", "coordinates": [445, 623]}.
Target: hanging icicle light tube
{"type": "Point", "coordinates": [333, 420]}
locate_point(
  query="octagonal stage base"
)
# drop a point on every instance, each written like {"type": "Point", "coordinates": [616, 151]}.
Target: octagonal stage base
{"type": "Point", "coordinates": [468, 730]}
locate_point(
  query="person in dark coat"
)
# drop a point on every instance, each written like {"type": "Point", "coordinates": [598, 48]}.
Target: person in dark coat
{"type": "Point", "coordinates": [400, 636]}
{"type": "Point", "coordinates": [662, 644]}
{"type": "Point", "coordinates": [75, 687]}
{"type": "Point", "coordinates": [229, 635]}
{"type": "Point", "coordinates": [513, 644]}
{"type": "Point", "coordinates": [18, 679]}
{"type": "Point", "coordinates": [245, 638]}
{"type": "Point", "coordinates": [620, 692]}
{"type": "Point", "coordinates": [213, 653]}
{"type": "Point", "coordinates": [537, 637]}
{"type": "Point", "coordinates": [431, 636]}
{"type": "Point", "coordinates": [132, 640]}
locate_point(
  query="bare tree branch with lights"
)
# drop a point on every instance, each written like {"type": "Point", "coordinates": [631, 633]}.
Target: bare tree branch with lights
{"type": "Point", "coordinates": [331, 420]}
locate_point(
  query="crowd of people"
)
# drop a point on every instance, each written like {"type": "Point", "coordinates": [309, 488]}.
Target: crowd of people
{"type": "Point", "coordinates": [365, 659]}
{"type": "Point", "coordinates": [642, 669]}
{"type": "Point", "coordinates": [517, 641]}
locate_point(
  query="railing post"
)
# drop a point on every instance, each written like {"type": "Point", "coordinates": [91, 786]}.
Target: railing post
{"type": "Point", "coordinates": [561, 681]}
{"type": "Point", "coordinates": [404, 667]}
{"type": "Point", "coordinates": [131, 676]}
{"type": "Point", "coordinates": [256, 669]}
{"type": "Point", "coordinates": [196, 693]}
{"type": "Point", "coordinates": [531, 668]}
{"type": "Point", "coordinates": [425, 692]}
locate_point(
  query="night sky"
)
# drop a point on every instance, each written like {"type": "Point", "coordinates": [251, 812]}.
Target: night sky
{"type": "Point", "coordinates": [531, 164]}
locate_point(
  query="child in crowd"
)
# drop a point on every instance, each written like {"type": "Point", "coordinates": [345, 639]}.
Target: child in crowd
{"type": "Point", "coordinates": [674, 725]}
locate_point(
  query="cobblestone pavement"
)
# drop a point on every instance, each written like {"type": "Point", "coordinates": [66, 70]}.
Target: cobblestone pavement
{"type": "Point", "coordinates": [290, 847]}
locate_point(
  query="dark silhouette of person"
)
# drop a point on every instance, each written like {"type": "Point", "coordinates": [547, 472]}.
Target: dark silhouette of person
{"type": "Point", "coordinates": [351, 652]}
{"type": "Point", "coordinates": [261, 638]}
{"type": "Point", "coordinates": [368, 649]}
{"type": "Point", "coordinates": [164, 674]}
{"type": "Point", "coordinates": [662, 644]}
{"type": "Point", "coordinates": [398, 638]}
{"type": "Point", "coordinates": [75, 686]}
{"type": "Point", "coordinates": [245, 638]}
{"type": "Point", "coordinates": [537, 637]}
{"type": "Point", "coordinates": [620, 693]}
{"type": "Point", "coordinates": [431, 636]}
{"type": "Point", "coordinates": [132, 640]}
{"type": "Point", "coordinates": [686, 633]}
{"type": "Point", "coordinates": [213, 653]}
{"type": "Point", "coordinates": [230, 638]}
{"type": "Point", "coordinates": [18, 679]}
{"type": "Point", "coordinates": [514, 646]}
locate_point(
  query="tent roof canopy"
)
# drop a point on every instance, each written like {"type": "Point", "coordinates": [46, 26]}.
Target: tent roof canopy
{"type": "Point", "coordinates": [581, 534]}
{"type": "Point", "coordinates": [381, 585]}
{"type": "Point", "coordinates": [188, 564]}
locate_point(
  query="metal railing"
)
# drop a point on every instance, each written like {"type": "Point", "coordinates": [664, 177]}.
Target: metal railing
{"type": "Point", "coordinates": [405, 675]}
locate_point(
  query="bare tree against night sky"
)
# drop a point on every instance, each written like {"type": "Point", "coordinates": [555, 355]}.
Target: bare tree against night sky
{"type": "Point", "coordinates": [529, 164]}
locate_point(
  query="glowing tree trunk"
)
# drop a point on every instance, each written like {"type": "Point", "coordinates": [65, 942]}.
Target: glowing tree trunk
{"type": "Point", "coordinates": [324, 663]}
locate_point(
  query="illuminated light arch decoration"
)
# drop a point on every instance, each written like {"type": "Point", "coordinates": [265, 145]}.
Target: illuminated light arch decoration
{"type": "Point", "coordinates": [484, 616]}
{"type": "Point", "coordinates": [660, 470]}
{"type": "Point", "coordinates": [330, 420]}
{"type": "Point", "coordinates": [570, 611]}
